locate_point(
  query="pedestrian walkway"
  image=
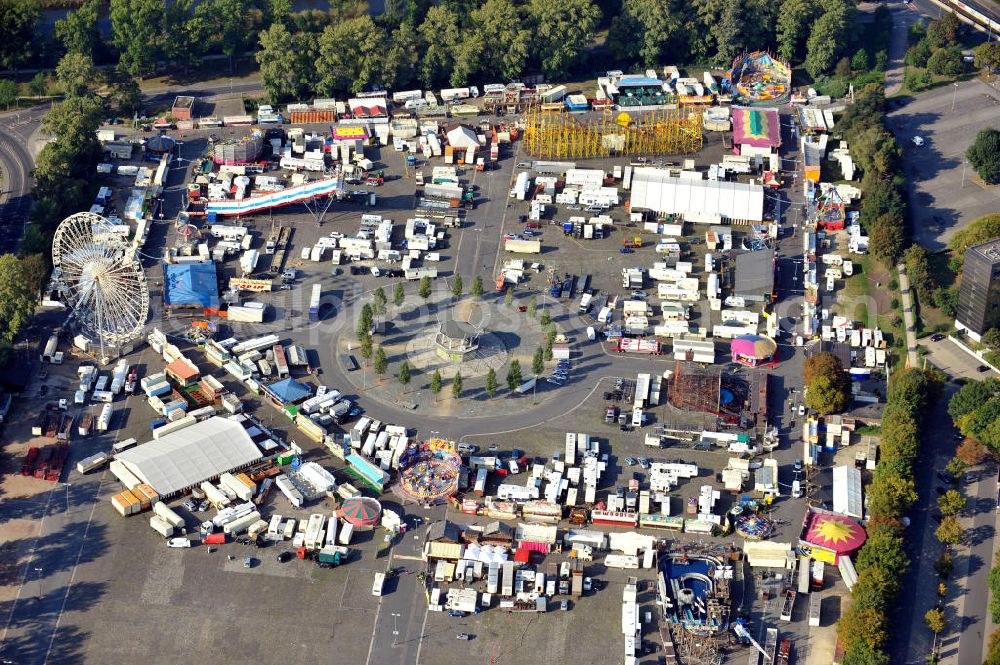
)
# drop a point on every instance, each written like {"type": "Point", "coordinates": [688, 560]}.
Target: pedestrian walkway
{"type": "Point", "coordinates": [912, 357]}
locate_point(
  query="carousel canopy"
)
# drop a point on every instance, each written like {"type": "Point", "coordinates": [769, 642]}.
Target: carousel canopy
{"type": "Point", "coordinates": [754, 346]}
{"type": "Point", "coordinates": [362, 511]}
{"type": "Point", "coordinates": [836, 533]}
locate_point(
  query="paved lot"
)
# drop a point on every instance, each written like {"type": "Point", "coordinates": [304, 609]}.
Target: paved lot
{"type": "Point", "coordinates": [944, 193]}
{"type": "Point", "coordinates": [949, 357]}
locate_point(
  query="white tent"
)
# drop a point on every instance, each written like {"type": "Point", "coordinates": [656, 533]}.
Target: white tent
{"type": "Point", "coordinates": [185, 458]}
{"type": "Point", "coordinates": [696, 200]}
{"type": "Point", "coordinates": [461, 137]}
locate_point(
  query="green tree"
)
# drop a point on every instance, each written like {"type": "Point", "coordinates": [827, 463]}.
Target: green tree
{"type": "Point", "coordinates": [491, 383]}
{"type": "Point", "coordinates": [934, 618]}
{"type": "Point", "coordinates": [366, 346]}
{"type": "Point", "coordinates": [135, 28]}
{"type": "Point", "coordinates": [379, 302]}
{"type": "Point", "coordinates": [38, 86]}
{"type": "Point", "coordinates": [979, 230]}
{"type": "Point", "coordinates": [828, 386]}
{"type": "Point", "coordinates": [381, 363]}
{"type": "Point", "coordinates": [545, 319]}
{"type": "Point", "coordinates": [75, 74]}
{"type": "Point", "coordinates": [280, 66]}
{"type": "Point", "coordinates": [440, 35]}
{"type": "Point", "coordinates": [984, 154]}
{"type": "Point", "coordinates": [477, 286]}
{"type": "Point", "coordinates": [123, 91]}
{"type": "Point", "coordinates": [890, 495]}
{"type": "Point", "coordinates": [561, 33]}
{"type": "Point", "coordinates": [951, 503]}
{"type": "Point", "coordinates": [532, 306]}
{"type": "Point", "coordinates": [229, 23]}
{"type": "Point", "coordinates": [918, 54]}
{"type": "Point", "coordinates": [548, 350]}
{"type": "Point", "coordinates": [18, 19]}
{"type": "Point", "coordinates": [944, 31]}
{"type": "Point", "coordinates": [436, 382]}
{"type": "Point", "coordinates": [425, 287]}
{"type": "Point", "coordinates": [987, 56]}
{"type": "Point", "coordinates": [8, 92]}
{"type": "Point", "coordinates": [886, 238]}
{"type": "Point", "coordinates": [456, 385]}
{"type": "Point", "coordinates": [993, 650]}
{"type": "Point", "coordinates": [366, 319]}
{"type": "Point", "coordinates": [828, 37]}
{"type": "Point", "coordinates": [404, 373]}
{"type": "Point", "coordinates": [78, 31]}
{"type": "Point", "coordinates": [794, 20]}
{"type": "Point", "coordinates": [456, 286]}
{"type": "Point", "coordinates": [398, 295]}
{"type": "Point", "coordinates": [508, 297]}
{"type": "Point", "coordinates": [514, 378]}
{"type": "Point", "coordinates": [884, 550]}
{"type": "Point", "coordinates": [402, 57]}
{"type": "Point", "coordinates": [950, 532]}
{"type": "Point", "coordinates": [186, 34]}
{"type": "Point", "coordinates": [538, 361]}
{"type": "Point", "coordinates": [351, 57]}
{"type": "Point", "coordinates": [859, 61]}
{"type": "Point", "coordinates": [17, 302]}
{"type": "Point", "coordinates": [946, 61]}
{"type": "Point", "coordinates": [644, 32]}
{"type": "Point", "coordinates": [729, 33]}
{"type": "Point", "coordinates": [503, 41]}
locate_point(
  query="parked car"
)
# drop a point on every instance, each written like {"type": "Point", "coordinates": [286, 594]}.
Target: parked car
{"type": "Point", "coordinates": [630, 461]}
{"type": "Point", "coordinates": [643, 462]}
{"type": "Point", "coordinates": [982, 368]}
{"type": "Point", "coordinates": [178, 542]}
{"type": "Point", "coordinates": [284, 556]}
{"type": "Point", "coordinates": [945, 477]}
{"type": "Point", "coordinates": [937, 337]}
{"type": "Point", "coordinates": [802, 409]}
{"type": "Point", "coordinates": [248, 562]}
{"type": "Point", "coordinates": [468, 448]}
{"type": "Point", "coordinates": [456, 614]}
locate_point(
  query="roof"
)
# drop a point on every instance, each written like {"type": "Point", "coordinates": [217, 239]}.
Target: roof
{"type": "Point", "coordinates": [189, 456]}
{"type": "Point", "coordinates": [458, 329]}
{"type": "Point", "coordinates": [361, 511]}
{"type": "Point", "coordinates": [443, 531]}
{"type": "Point", "coordinates": [183, 369]}
{"type": "Point", "coordinates": [837, 533]}
{"type": "Point", "coordinates": [754, 273]}
{"type": "Point", "coordinates": [160, 143]}
{"type": "Point", "coordinates": [461, 136]}
{"type": "Point", "coordinates": [657, 190]}
{"type": "Point", "coordinates": [289, 391]}
{"type": "Point", "coordinates": [754, 346]}
{"type": "Point", "coordinates": [637, 80]}
{"type": "Point", "coordinates": [989, 250]}
{"type": "Point", "coordinates": [190, 285]}
{"type": "Point", "coordinates": [847, 498]}
{"type": "Point", "coordinates": [756, 127]}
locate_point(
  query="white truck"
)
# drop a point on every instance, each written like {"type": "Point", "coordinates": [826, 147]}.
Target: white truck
{"type": "Point", "coordinates": [523, 246]}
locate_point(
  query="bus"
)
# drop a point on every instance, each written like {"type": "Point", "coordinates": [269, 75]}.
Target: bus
{"type": "Point", "coordinates": [378, 584]}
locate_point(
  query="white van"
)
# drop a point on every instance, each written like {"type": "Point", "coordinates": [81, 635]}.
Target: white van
{"type": "Point", "coordinates": [796, 489]}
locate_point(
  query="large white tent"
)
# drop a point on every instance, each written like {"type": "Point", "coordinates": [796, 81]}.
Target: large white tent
{"type": "Point", "coordinates": [461, 137]}
{"type": "Point", "coordinates": [710, 201]}
{"type": "Point", "coordinates": [191, 455]}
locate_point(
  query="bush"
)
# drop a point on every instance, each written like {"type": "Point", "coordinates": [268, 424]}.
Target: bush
{"type": "Point", "coordinates": [984, 155]}
{"type": "Point", "coordinates": [946, 61]}
{"type": "Point", "coordinates": [859, 61]}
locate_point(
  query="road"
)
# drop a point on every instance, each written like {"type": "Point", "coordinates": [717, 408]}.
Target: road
{"type": "Point", "coordinates": [16, 162]}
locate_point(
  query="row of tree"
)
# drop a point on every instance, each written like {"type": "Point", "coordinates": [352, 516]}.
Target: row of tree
{"type": "Point", "coordinates": [882, 562]}
{"type": "Point", "coordinates": [975, 410]}
{"type": "Point", "coordinates": [21, 280]}
{"type": "Point", "coordinates": [828, 385]}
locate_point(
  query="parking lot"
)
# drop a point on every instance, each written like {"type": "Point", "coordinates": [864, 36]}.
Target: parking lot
{"type": "Point", "coordinates": [945, 193]}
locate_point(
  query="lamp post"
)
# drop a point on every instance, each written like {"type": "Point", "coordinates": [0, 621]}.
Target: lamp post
{"type": "Point", "coordinates": [395, 627]}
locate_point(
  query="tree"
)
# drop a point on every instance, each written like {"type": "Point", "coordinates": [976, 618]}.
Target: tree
{"type": "Point", "coordinates": [944, 31]}
{"type": "Point", "coordinates": [979, 230]}
{"type": "Point", "coordinates": [891, 495]}
{"type": "Point", "coordinates": [351, 57]}
{"type": "Point", "coordinates": [951, 503]}
{"type": "Point", "coordinates": [866, 627]}
{"type": "Point", "coordinates": [404, 374]}
{"type": "Point", "coordinates": [532, 306]}
{"type": "Point", "coordinates": [538, 361]}
{"type": "Point", "coordinates": [36, 272]}
{"type": "Point", "coordinates": [456, 286]}
{"type": "Point", "coordinates": [78, 31]}
{"type": "Point", "coordinates": [950, 532]}
{"type": "Point", "coordinates": [365, 321]}
{"type": "Point", "coordinates": [514, 378]}
{"type": "Point", "coordinates": [38, 86]}
{"type": "Point", "coordinates": [934, 618]}
{"type": "Point", "coordinates": [477, 286]}
{"type": "Point", "coordinates": [17, 302]}
{"type": "Point", "coordinates": [728, 33]}
{"type": "Point", "coordinates": [379, 301]}
{"type": "Point", "coordinates": [188, 34]}
{"type": "Point", "coordinates": [456, 385]}
{"type": "Point", "coordinates": [381, 363]}
{"type": "Point", "coordinates": [124, 93]}
{"type": "Point", "coordinates": [547, 350]}
{"type": "Point", "coordinates": [281, 68]}
{"type": "Point", "coordinates": [366, 347]}
{"type": "Point", "coordinates": [794, 20]}
{"type": "Point", "coordinates": [440, 34]}
{"type": "Point", "coordinates": [971, 452]}
{"type": "Point", "coordinates": [828, 37]}
{"type": "Point", "coordinates": [987, 56]}
{"type": "Point", "coordinates": [229, 23]}
{"type": "Point", "coordinates": [643, 32]}
{"type": "Point", "coordinates": [491, 383]}
{"type": "Point", "coordinates": [135, 33]}
{"type": "Point", "coordinates": [502, 40]}
{"type": "Point", "coordinates": [436, 382]}
{"type": "Point", "coordinates": [508, 297]}
{"type": "Point", "coordinates": [8, 92]}
{"type": "Point", "coordinates": [545, 319]}
{"type": "Point", "coordinates": [993, 651]}
{"type": "Point", "coordinates": [561, 32]}
{"type": "Point", "coordinates": [75, 74]}
{"type": "Point", "coordinates": [425, 287]}
{"type": "Point", "coordinates": [971, 396]}
{"type": "Point", "coordinates": [18, 19]}
{"type": "Point", "coordinates": [946, 61]}
{"type": "Point", "coordinates": [984, 155]}
{"type": "Point", "coordinates": [398, 295]}
{"type": "Point", "coordinates": [842, 70]}
{"type": "Point", "coordinates": [828, 386]}
{"type": "Point", "coordinates": [886, 238]}
{"type": "Point", "coordinates": [859, 61]}
{"type": "Point", "coordinates": [884, 550]}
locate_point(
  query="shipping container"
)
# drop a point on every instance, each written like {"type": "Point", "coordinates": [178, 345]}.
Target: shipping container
{"type": "Point", "coordinates": [161, 526]}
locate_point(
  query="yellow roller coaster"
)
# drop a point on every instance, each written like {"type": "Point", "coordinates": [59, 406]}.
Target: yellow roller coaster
{"type": "Point", "coordinates": [559, 135]}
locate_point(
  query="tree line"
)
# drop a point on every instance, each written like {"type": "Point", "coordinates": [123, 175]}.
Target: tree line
{"type": "Point", "coordinates": [882, 562]}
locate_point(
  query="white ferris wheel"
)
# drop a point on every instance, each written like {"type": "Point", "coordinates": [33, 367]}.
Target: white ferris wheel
{"type": "Point", "coordinates": [99, 277]}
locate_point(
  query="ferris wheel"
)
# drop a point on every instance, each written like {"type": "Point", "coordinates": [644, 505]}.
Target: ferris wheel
{"type": "Point", "coordinates": [99, 277]}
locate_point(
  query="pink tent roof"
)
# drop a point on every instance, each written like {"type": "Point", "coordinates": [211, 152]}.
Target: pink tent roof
{"type": "Point", "coordinates": [838, 533]}
{"type": "Point", "coordinates": [361, 511]}
{"type": "Point", "coordinates": [754, 346]}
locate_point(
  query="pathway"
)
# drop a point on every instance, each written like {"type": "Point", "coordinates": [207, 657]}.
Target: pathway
{"type": "Point", "coordinates": [912, 357]}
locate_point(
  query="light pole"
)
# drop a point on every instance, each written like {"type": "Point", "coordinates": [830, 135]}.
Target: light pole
{"type": "Point", "coordinates": [395, 628]}
{"type": "Point", "coordinates": [954, 97]}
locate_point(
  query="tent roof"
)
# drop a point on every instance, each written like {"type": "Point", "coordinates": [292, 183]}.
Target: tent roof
{"type": "Point", "coordinates": [754, 273]}
{"type": "Point", "coordinates": [190, 285]}
{"type": "Point", "coordinates": [656, 189]}
{"type": "Point", "coordinates": [461, 136]}
{"type": "Point", "coordinates": [756, 127]}
{"type": "Point", "coordinates": [838, 533]}
{"type": "Point", "coordinates": [289, 390]}
{"type": "Point", "coordinates": [191, 455]}
{"type": "Point", "coordinates": [754, 346]}
{"type": "Point", "coordinates": [361, 511]}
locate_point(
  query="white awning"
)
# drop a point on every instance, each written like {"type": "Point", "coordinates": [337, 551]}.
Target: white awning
{"type": "Point", "coordinates": [657, 190]}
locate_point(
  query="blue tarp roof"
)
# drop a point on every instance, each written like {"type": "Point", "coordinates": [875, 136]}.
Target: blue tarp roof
{"type": "Point", "coordinates": [637, 80]}
{"type": "Point", "coordinates": [190, 285]}
{"type": "Point", "coordinates": [289, 390]}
